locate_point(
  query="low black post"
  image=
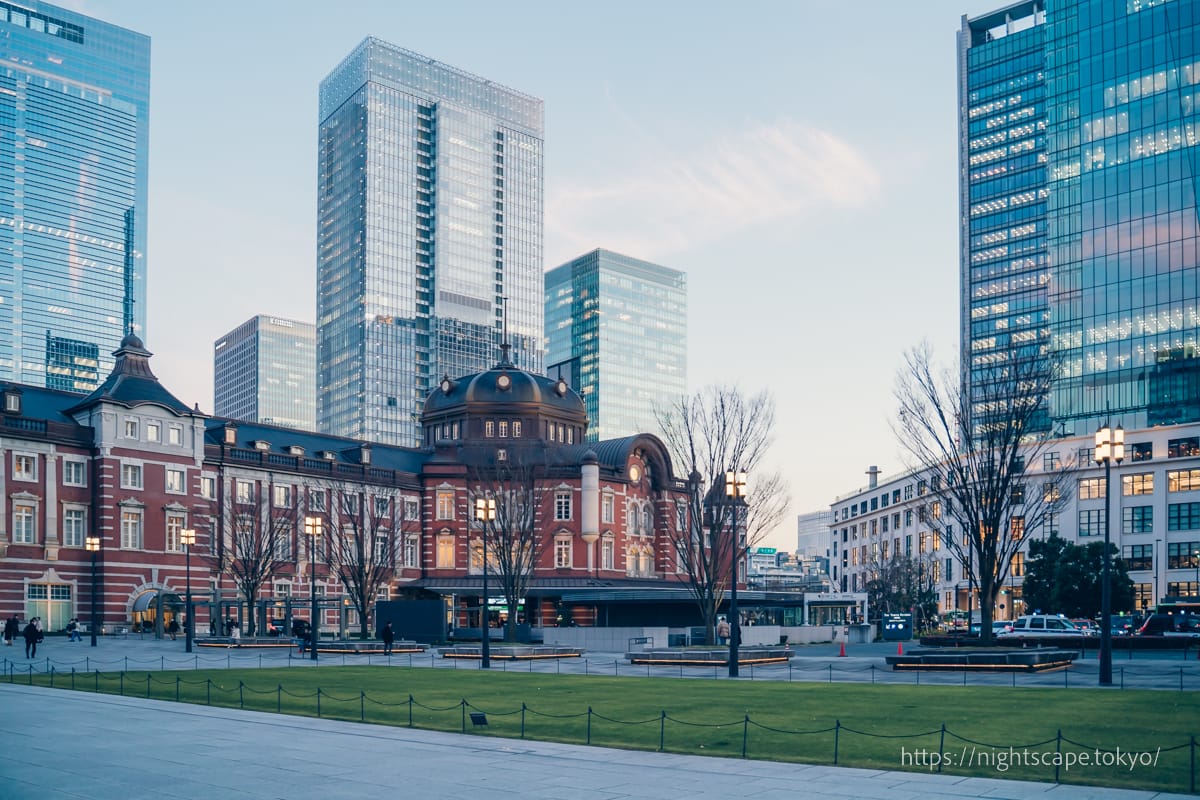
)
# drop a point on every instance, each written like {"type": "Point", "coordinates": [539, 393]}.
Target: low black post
{"type": "Point", "coordinates": [662, 730]}
{"type": "Point", "coordinates": [1058, 750]}
{"type": "Point", "coordinates": [279, 697]}
{"type": "Point", "coordinates": [941, 747]}
{"type": "Point", "coordinates": [522, 719]}
{"type": "Point", "coordinates": [837, 731]}
{"type": "Point", "coordinates": [318, 702]}
{"type": "Point", "coordinates": [410, 704]}
{"type": "Point", "coordinates": [464, 714]}
{"type": "Point", "coordinates": [1192, 771]}
{"type": "Point", "coordinates": [745, 733]}
{"type": "Point", "coordinates": [589, 727]}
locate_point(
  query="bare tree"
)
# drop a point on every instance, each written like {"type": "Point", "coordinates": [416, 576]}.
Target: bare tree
{"type": "Point", "coordinates": [981, 461]}
{"type": "Point", "coordinates": [903, 583]}
{"type": "Point", "coordinates": [513, 492]}
{"type": "Point", "coordinates": [363, 528]}
{"type": "Point", "coordinates": [256, 535]}
{"type": "Point", "coordinates": [715, 431]}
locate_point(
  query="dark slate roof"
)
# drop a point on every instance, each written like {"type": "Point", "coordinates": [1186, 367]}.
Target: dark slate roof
{"type": "Point", "coordinates": [400, 459]}
{"type": "Point", "coordinates": [522, 387]}
{"type": "Point", "coordinates": [613, 454]}
{"type": "Point", "coordinates": [131, 382]}
{"type": "Point", "coordinates": [38, 402]}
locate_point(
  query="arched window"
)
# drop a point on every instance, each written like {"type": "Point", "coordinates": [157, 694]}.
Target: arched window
{"type": "Point", "coordinates": [647, 520]}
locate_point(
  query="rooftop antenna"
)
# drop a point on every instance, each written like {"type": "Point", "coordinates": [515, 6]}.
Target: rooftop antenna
{"type": "Point", "coordinates": [505, 359]}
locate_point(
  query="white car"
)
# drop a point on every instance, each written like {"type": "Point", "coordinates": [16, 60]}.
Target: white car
{"type": "Point", "coordinates": [1041, 626]}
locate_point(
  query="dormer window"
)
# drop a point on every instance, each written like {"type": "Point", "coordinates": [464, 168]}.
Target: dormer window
{"type": "Point", "coordinates": [230, 435]}
{"type": "Point", "coordinates": [12, 400]}
{"type": "Point", "coordinates": [328, 455]}
{"type": "Point", "coordinates": [261, 444]}
{"type": "Point", "coordinates": [516, 429]}
{"type": "Point", "coordinates": [295, 450]}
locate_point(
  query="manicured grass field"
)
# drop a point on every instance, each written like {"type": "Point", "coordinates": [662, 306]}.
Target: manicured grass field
{"type": "Point", "coordinates": [870, 726]}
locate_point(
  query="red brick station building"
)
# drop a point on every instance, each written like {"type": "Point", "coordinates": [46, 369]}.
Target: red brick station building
{"type": "Point", "coordinates": [135, 467]}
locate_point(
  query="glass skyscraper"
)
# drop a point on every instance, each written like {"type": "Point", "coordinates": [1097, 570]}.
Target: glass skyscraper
{"type": "Point", "coordinates": [74, 145]}
{"type": "Point", "coordinates": [429, 236]}
{"type": "Point", "coordinates": [616, 329]}
{"type": "Point", "coordinates": [1078, 200]}
{"type": "Point", "coordinates": [264, 370]}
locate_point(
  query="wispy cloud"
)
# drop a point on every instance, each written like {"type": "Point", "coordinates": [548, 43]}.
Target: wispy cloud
{"type": "Point", "coordinates": [769, 174]}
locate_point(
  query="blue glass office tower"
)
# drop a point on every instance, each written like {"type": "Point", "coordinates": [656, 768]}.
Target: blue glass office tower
{"type": "Point", "coordinates": [74, 145]}
{"type": "Point", "coordinates": [264, 370]}
{"type": "Point", "coordinates": [616, 329]}
{"type": "Point", "coordinates": [1079, 211]}
{"type": "Point", "coordinates": [429, 238]}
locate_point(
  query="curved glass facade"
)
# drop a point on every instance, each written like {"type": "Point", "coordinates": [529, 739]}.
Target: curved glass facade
{"type": "Point", "coordinates": [429, 236]}
{"type": "Point", "coordinates": [74, 145]}
{"type": "Point", "coordinates": [1079, 214]}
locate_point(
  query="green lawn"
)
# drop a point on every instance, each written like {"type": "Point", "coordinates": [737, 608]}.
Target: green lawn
{"type": "Point", "coordinates": [878, 723]}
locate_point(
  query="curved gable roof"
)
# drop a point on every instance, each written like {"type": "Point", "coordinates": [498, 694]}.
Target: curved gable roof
{"type": "Point", "coordinates": [132, 383]}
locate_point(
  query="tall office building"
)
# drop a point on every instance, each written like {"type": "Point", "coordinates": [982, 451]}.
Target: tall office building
{"type": "Point", "coordinates": [1078, 204]}
{"type": "Point", "coordinates": [74, 145]}
{"type": "Point", "coordinates": [616, 329]}
{"type": "Point", "coordinates": [264, 370]}
{"type": "Point", "coordinates": [429, 236]}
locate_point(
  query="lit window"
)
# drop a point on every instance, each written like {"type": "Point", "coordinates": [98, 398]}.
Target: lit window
{"type": "Point", "coordinates": [562, 551]}
{"type": "Point", "coordinates": [445, 504]}
{"type": "Point", "coordinates": [175, 523]}
{"type": "Point", "coordinates": [131, 530]}
{"type": "Point", "coordinates": [282, 496]}
{"type": "Point", "coordinates": [208, 488]}
{"type": "Point", "coordinates": [24, 467]}
{"type": "Point", "coordinates": [445, 551]}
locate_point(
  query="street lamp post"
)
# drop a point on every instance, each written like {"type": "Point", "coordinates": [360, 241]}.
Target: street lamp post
{"type": "Point", "coordinates": [1110, 448]}
{"type": "Point", "coordinates": [188, 537]}
{"type": "Point", "coordinates": [1196, 564]}
{"type": "Point", "coordinates": [735, 489]}
{"type": "Point", "coordinates": [93, 547]}
{"type": "Point", "coordinates": [312, 527]}
{"type": "Point", "coordinates": [485, 513]}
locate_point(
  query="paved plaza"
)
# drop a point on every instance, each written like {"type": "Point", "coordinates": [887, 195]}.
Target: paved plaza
{"type": "Point", "coordinates": [75, 745]}
{"type": "Point", "coordinates": [1166, 670]}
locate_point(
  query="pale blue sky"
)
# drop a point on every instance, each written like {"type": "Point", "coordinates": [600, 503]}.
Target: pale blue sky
{"type": "Point", "coordinates": [798, 160]}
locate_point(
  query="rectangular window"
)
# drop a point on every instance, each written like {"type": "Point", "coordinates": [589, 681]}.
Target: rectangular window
{"type": "Point", "coordinates": [1051, 493]}
{"type": "Point", "coordinates": [489, 429]}
{"type": "Point", "coordinates": [1091, 522]}
{"type": "Point", "coordinates": [1142, 483]}
{"type": "Point", "coordinates": [503, 428]}
{"type": "Point", "coordinates": [244, 491]}
{"type": "Point", "coordinates": [445, 552]}
{"type": "Point", "coordinates": [1052, 523]}
{"type": "Point", "coordinates": [1182, 448]}
{"type": "Point", "coordinates": [282, 496]}
{"type": "Point", "coordinates": [316, 500]}
{"type": "Point", "coordinates": [175, 523]}
{"type": "Point", "coordinates": [383, 507]}
{"type": "Point", "coordinates": [1137, 519]}
{"type": "Point", "coordinates": [1183, 516]}
{"type": "Point", "coordinates": [1183, 480]}
{"type": "Point", "coordinates": [175, 481]}
{"type": "Point", "coordinates": [680, 517]}
{"type": "Point", "coordinates": [562, 552]}
{"type": "Point", "coordinates": [1139, 557]}
{"type": "Point", "coordinates": [562, 505]}
{"type": "Point", "coordinates": [350, 503]}
{"type": "Point", "coordinates": [516, 428]}
{"type": "Point", "coordinates": [1016, 565]}
{"type": "Point", "coordinates": [1051, 461]}
{"type": "Point", "coordinates": [410, 551]}
{"type": "Point", "coordinates": [131, 476]}
{"type": "Point", "coordinates": [1016, 494]}
{"type": "Point", "coordinates": [175, 435]}
{"type": "Point", "coordinates": [131, 429]}
{"type": "Point", "coordinates": [412, 509]}
{"type": "Point", "coordinates": [383, 555]}
{"type": "Point", "coordinates": [607, 506]}
{"type": "Point", "coordinates": [1016, 527]}
{"type": "Point", "coordinates": [75, 473]}
{"type": "Point", "coordinates": [24, 467]}
{"type": "Point", "coordinates": [607, 551]}
{"type": "Point", "coordinates": [131, 530]}
{"type": "Point", "coordinates": [208, 488]}
{"type": "Point", "coordinates": [1182, 555]}
{"type": "Point", "coordinates": [283, 543]}
{"type": "Point", "coordinates": [74, 526]}
{"type": "Point", "coordinates": [24, 523]}
{"type": "Point", "coordinates": [908, 518]}
{"type": "Point", "coordinates": [1141, 451]}
{"type": "Point", "coordinates": [153, 432]}
{"type": "Point", "coordinates": [1091, 488]}
{"type": "Point", "coordinates": [445, 504]}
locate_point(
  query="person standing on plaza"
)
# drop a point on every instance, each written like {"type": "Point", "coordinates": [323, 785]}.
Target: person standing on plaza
{"type": "Point", "coordinates": [12, 627]}
{"type": "Point", "coordinates": [723, 631]}
{"type": "Point", "coordinates": [388, 638]}
{"type": "Point", "coordinates": [173, 628]}
{"type": "Point", "coordinates": [32, 634]}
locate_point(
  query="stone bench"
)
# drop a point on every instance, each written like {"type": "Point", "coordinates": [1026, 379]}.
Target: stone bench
{"type": "Point", "coordinates": [713, 657]}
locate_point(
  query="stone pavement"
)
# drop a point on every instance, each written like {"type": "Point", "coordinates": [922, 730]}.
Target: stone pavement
{"type": "Point", "coordinates": [69, 745]}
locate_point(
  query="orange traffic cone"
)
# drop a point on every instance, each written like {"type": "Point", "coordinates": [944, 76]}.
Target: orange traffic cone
{"type": "Point", "coordinates": [899, 648]}
{"type": "Point", "coordinates": [842, 652]}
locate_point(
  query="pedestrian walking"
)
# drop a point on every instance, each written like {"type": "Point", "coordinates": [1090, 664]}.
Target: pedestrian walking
{"type": "Point", "coordinates": [173, 628]}
{"type": "Point", "coordinates": [388, 638]}
{"type": "Point", "coordinates": [32, 637]}
{"type": "Point", "coordinates": [73, 631]}
{"type": "Point", "coordinates": [12, 627]}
